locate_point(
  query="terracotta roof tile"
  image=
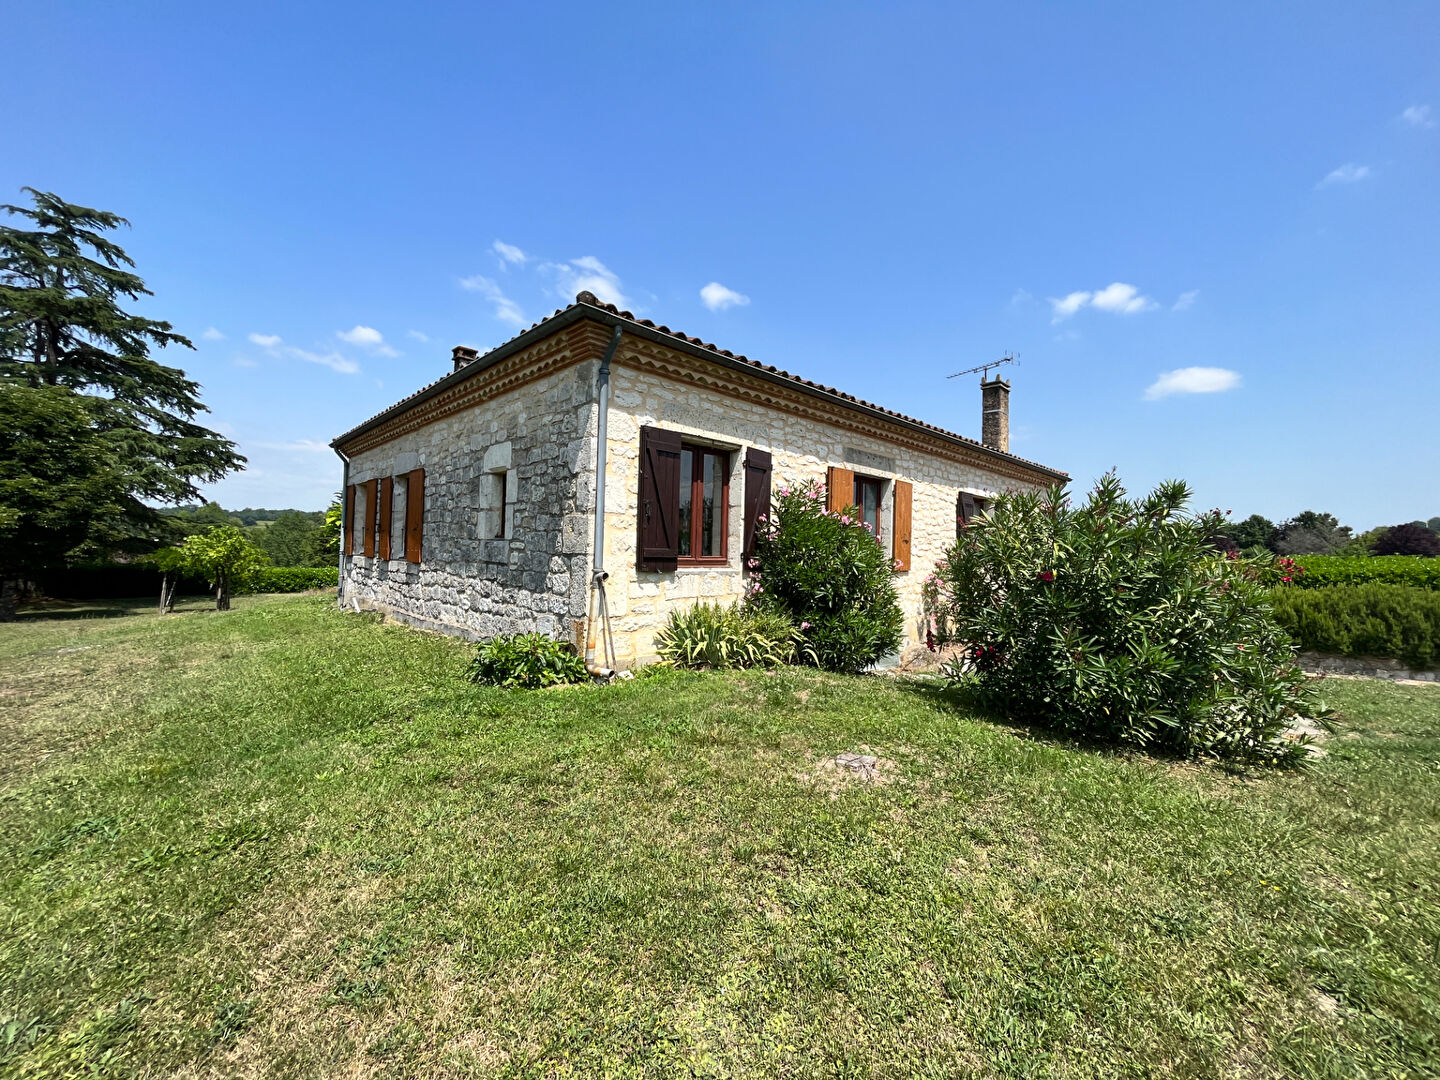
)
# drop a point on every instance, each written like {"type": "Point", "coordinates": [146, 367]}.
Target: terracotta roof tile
{"type": "Point", "coordinates": [587, 299]}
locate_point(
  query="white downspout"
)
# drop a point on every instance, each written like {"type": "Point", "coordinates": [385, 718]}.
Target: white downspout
{"type": "Point", "coordinates": [599, 607]}
{"type": "Point", "coordinates": [345, 523]}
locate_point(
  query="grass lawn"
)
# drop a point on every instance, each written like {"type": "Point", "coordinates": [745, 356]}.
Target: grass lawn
{"type": "Point", "coordinates": [283, 841]}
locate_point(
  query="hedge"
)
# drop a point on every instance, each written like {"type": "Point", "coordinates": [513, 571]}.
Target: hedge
{"type": "Point", "coordinates": [113, 581]}
{"type": "Point", "coordinates": [1322, 571]}
{"type": "Point", "coordinates": [297, 578]}
{"type": "Point", "coordinates": [1364, 620]}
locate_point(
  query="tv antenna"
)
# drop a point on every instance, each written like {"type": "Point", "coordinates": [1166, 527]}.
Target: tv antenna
{"type": "Point", "coordinates": [984, 369]}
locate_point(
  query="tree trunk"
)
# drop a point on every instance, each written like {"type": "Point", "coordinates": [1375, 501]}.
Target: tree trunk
{"type": "Point", "coordinates": [168, 582]}
{"type": "Point", "coordinates": [222, 595]}
{"type": "Point", "coordinates": [9, 596]}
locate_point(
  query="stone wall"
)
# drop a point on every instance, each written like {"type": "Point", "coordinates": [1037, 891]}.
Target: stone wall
{"type": "Point", "coordinates": [1369, 667]}
{"type": "Point", "coordinates": [802, 449]}
{"type": "Point", "coordinates": [541, 437]}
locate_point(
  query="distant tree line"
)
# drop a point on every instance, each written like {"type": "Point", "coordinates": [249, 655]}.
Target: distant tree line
{"type": "Point", "coordinates": [288, 537]}
{"type": "Point", "coordinates": [1312, 533]}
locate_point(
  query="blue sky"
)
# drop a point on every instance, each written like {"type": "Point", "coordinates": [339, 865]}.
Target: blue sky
{"type": "Point", "coordinates": [1212, 233]}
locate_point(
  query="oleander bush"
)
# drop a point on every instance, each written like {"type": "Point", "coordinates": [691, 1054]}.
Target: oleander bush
{"type": "Point", "coordinates": [1116, 619]}
{"type": "Point", "coordinates": [1322, 571]}
{"type": "Point", "coordinates": [828, 573]}
{"type": "Point", "coordinates": [738, 636]}
{"type": "Point", "coordinates": [525, 661]}
{"type": "Point", "coordinates": [281, 579]}
{"type": "Point", "coordinates": [1395, 621]}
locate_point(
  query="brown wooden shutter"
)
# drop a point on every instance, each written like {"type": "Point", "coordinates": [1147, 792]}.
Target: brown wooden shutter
{"type": "Point", "coordinates": [387, 499]}
{"type": "Point", "coordinates": [902, 524]}
{"type": "Point", "coordinates": [347, 521]}
{"type": "Point", "coordinates": [840, 489]}
{"type": "Point", "coordinates": [757, 493]}
{"type": "Point", "coordinates": [414, 514]}
{"type": "Point", "coordinates": [659, 507]}
{"type": "Point", "coordinates": [368, 536]}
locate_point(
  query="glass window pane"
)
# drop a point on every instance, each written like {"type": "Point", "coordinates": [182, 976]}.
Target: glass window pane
{"type": "Point", "coordinates": [871, 509]}
{"type": "Point", "coordinates": [686, 476]}
{"type": "Point", "coordinates": [709, 525]}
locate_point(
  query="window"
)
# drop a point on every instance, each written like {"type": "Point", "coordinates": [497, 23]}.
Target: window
{"type": "Point", "coordinates": [704, 504]}
{"type": "Point", "coordinates": [868, 493]}
{"type": "Point", "coordinates": [502, 519]}
{"type": "Point", "coordinates": [967, 508]}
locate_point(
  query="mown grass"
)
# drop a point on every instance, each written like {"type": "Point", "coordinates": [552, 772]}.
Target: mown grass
{"type": "Point", "coordinates": [284, 841]}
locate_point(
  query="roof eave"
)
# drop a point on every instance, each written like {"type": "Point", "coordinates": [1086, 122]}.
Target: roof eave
{"type": "Point", "coordinates": [582, 310]}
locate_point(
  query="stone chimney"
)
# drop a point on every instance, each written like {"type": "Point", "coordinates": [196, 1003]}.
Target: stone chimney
{"type": "Point", "coordinates": [995, 414]}
{"type": "Point", "coordinates": [462, 355]}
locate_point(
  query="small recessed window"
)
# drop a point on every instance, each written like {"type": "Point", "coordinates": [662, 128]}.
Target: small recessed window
{"type": "Point", "coordinates": [502, 523]}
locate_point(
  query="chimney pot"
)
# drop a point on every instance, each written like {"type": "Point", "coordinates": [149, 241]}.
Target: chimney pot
{"type": "Point", "coordinates": [462, 355]}
{"type": "Point", "coordinates": [995, 414]}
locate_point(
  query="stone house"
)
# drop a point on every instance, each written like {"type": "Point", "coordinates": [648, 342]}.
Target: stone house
{"type": "Point", "coordinates": [471, 506]}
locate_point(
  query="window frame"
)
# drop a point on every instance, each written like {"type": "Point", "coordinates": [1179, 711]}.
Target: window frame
{"type": "Point", "coordinates": [862, 482]}
{"type": "Point", "coordinates": [698, 452]}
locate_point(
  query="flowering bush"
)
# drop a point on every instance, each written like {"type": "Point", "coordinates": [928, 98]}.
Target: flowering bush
{"type": "Point", "coordinates": [829, 573]}
{"type": "Point", "coordinates": [1117, 619]}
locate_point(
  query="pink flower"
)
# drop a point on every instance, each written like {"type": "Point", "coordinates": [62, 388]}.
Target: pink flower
{"type": "Point", "coordinates": [804, 626]}
{"type": "Point", "coordinates": [1047, 576]}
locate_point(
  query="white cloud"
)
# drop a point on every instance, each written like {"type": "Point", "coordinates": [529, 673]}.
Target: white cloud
{"type": "Point", "coordinates": [508, 253]}
{"type": "Point", "coordinates": [1121, 299]}
{"type": "Point", "coordinates": [717, 297]}
{"type": "Point", "coordinates": [1116, 298]}
{"type": "Point", "coordinates": [506, 310]}
{"type": "Point", "coordinates": [367, 337]}
{"type": "Point", "coordinates": [276, 347]}
{"type": "Point", "coordinates": [418, 335]}
{"type": "Point", "coordinates": [1349, 173]}
{"type": "Point", "coordinates": [1193, 380]}
{"type": "Point", "coordinates": [1419, 116]}
{"type": "Point", "coordinates": [212, 334]}
{"type": "Point", "coordinates": [589, 273]}
{"type": "Point", "coordinates": [1068, 305]}
{"type": "Point", "coordinates": [1185, 300]}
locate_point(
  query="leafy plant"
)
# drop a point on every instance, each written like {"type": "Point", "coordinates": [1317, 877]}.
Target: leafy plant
{"type": "Point", "coordinates": [828, 573]}
{"type": "Point", "coordinates": [1322, 571]}
{"type": "Point", "coordinates": [738, 636]}
{"type": "Point", "coordinates": [527, 661]}
{"type": "Point", "coordinates": [1364, 620]}
{"type": "Point", "coordinates": [225, 558]}
{"type": "Point", "coordinates": [1116, 619]}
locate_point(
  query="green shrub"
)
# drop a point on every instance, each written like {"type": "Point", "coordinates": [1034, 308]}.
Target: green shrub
{"type": "Point", "coordinates": [829, 574]}
{"type": "Point", "coordinates": [738, 636]}
{"type": "Point", "coordinates": [1322, 571]}
{"type": "Point", "coordinates": [528, 661]}
{"type": "Point", "coordinates": [272, 579]}
{"type": "Point", "coordinates": [1364, 620]}
{"type": "Point", "coordinates": [1117, 620]}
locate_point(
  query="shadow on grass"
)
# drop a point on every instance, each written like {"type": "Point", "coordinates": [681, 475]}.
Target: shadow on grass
{"type": "Point", "coordinates": [70, 610]}
{"type": "Point", "coordinates": [962, 698]}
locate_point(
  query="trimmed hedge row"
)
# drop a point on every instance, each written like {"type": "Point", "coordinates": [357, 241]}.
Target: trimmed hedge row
{"type": "Point", "coordinates": [297, 578]}
{"type": "Point", "coordinates": [1364, 620]}
{"type": "Point", "coordinates": [1322, 571]}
